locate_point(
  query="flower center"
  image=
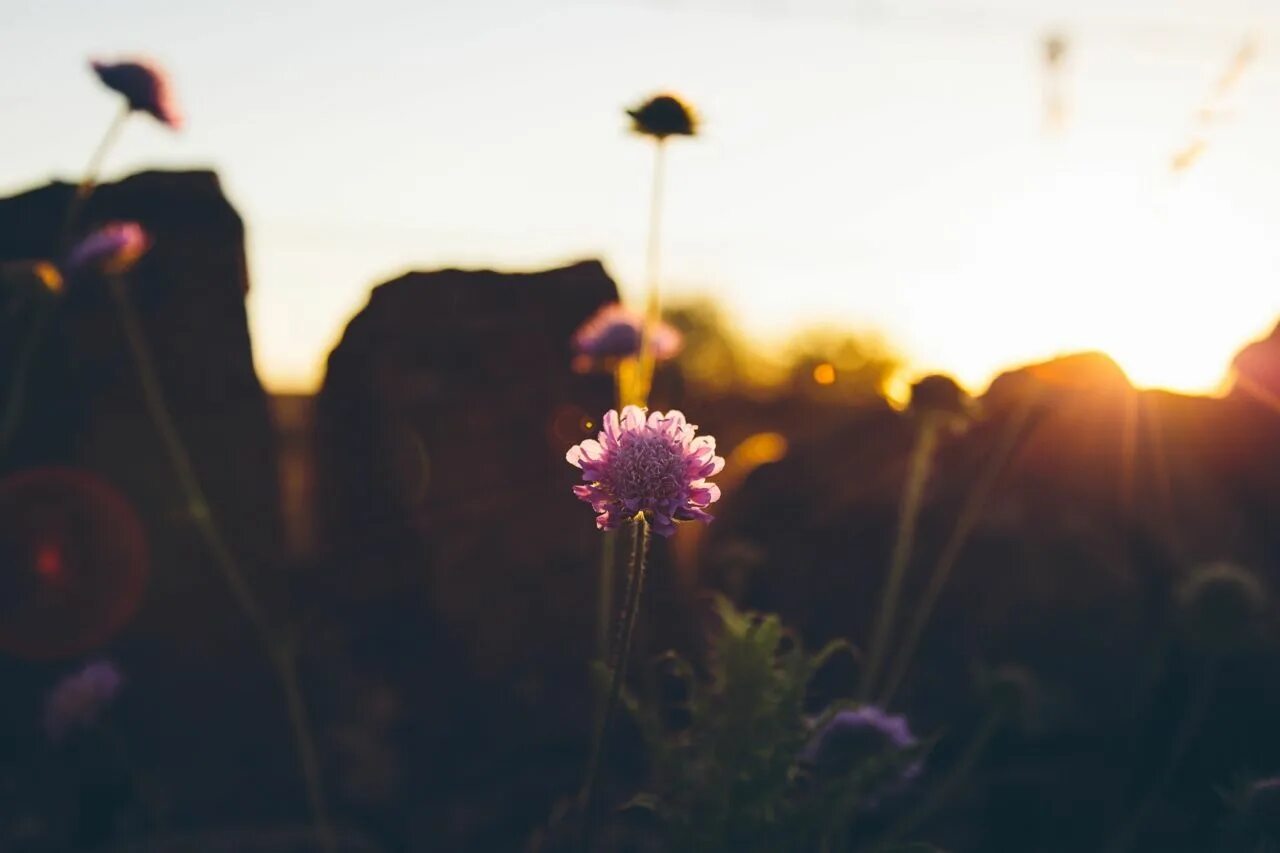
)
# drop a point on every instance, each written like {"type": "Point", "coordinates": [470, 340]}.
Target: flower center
{"type": "Point", "coordinates": [647, 468]}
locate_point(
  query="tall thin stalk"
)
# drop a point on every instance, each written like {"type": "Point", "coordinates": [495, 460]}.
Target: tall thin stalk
{"type": "Point", "coordinates": [604, 612]}
{"type": "Point", "coordinates": [618, 674]}
{"type": "Point", "coordinates": [908, 514]}
{"type": "Point", "coordinates": [280, 655]}
{"type": "Point", "coordinates": [970, 512]}
{"type": "Point", "coordinates": [90, 180]}
{"type": "Point", "coordinates": [653, 302]}
{"type": "Point", "coordinates": [1192, 718]}
{"type": "Point", "coordinates": [15, 400]}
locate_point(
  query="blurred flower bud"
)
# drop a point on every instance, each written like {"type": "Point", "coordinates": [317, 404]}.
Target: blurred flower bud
{"type": "Point", "coordinates": [145, 87]}
{"type": "Point", "coordinates": [1220, 606]}
{"type": "Point", "coordinates": [941, 396]}
{"type": "Point", "coordinates": [662, 116]}
{"type": "Point", "coordinates": [112, 249]}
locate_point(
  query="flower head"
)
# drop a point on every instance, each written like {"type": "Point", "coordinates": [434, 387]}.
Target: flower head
{"type": "Point", "coordinates": [939, 393]}
{"type": "Point", "coordinates": [1220, 608]}
{"type": "Point", "coordinates": [614, 332]}
{"type": "Point", "coordinates": [856, 735]}
{"type": "Point", "coordinates": [113, 248]}
{"type": "Point", "coordinates": [79, 699]}
{"type": "Point", "coordinates": [662, 116]}
{"type": "Point", "coordinates": [655, 467]}
{"type": "Point", "coordinates": [144, 85]}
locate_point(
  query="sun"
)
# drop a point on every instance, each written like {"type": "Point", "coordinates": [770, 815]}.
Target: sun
{"type": "Point", "coordinates": [1168, 278]}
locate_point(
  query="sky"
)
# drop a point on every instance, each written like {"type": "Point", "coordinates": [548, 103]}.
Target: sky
{"type": "Point", "coordinates": [884, 165]}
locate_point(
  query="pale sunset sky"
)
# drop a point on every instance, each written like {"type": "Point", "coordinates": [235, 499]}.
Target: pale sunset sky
{"type": "Point", "coordinates": [878, 164]}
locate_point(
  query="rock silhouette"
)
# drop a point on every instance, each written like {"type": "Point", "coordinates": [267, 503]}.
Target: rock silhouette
{"type": "Point", "coordinates": [1106, 500]}
{"type": "Point", "coordinates": [462, 572]}
{"type": "Point", "coordinates": [200, 704]}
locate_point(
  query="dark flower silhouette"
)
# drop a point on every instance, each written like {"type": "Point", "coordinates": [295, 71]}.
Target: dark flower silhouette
{"type": "Point", "coordinates": [662, 116]}
{"type": "Point", "coordinates": [1220, 607]}
{"type": "Point", "coordinates": [144, 85]}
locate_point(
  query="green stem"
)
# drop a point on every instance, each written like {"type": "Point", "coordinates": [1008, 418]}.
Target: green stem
{"type": "Point", "coordinates": [604, 604]}
{"type": "Point", "coordinates": [281, 658]}
{"type": "Point", "coordinates": [622, 651]}
{"type": "Point", "coordinates": [969, 515]}
{"type": "Point", "coordinates": [16, 400]}
{"type": "Point", "coordinates": [90, 179]}
{"type": "Point", "coordinates": [653, 304]}
{"type": "Point", "coordinates": [1187, 728]}
{"type": "Point", "coordinates": [908, 513]}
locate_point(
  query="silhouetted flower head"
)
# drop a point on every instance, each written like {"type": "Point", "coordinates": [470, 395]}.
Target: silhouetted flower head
{"type": "Point", "coordinates": [1220, 606]}
{"type": "Point", "coordinates": [653, 466]}
{"type": "Point", "coordinates": [113, 248]}
{"type": "Point", "coordinates": [614, 332]}
{"type": "Point", "coordinates": [79, 699]}
{"type": "Point", "coordinates": [857, 735]}
{"type": "Point", "coordinates": [662, 116]}
{"type": "Point", "coordinates": [144, 85]}
{"type": "Point", "coordinates": [939, 393]}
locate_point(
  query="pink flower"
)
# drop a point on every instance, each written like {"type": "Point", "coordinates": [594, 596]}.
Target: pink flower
{"type": "Point", "coordinates": [113, 248]}
{"type": "Point", "coordinates": [144, 85]}
{"type": "Point", "coordinates": [614, 332]}
{"type": "Point", "coordinates": [79, 699]}
{"type": "Point", "coordinates": [655, 467]}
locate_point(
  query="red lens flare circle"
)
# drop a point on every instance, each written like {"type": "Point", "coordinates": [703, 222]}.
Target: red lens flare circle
{"type": "Point", "coordinates": [73, 563]}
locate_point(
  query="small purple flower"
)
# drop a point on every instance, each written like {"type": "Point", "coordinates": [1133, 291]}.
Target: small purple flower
{"type": "Point", "coordinates": [79, 699]}
{"type": "Point", "coordinates": [144, 85]}
{"type": "Point", "coordinates": [113, 248]}
{"type": "Point", "coordinates": [614, 332]}
{"type": "Point", "coordinates": [655, 467]}
{"type": "Point", "coordinates": [855, 735]}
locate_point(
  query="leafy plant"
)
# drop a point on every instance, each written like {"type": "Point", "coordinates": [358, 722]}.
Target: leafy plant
{"type": "Point", "coordinates": [726, 772]}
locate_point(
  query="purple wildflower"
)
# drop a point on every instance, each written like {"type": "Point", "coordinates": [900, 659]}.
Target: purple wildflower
{"type": "Point", "coordinates": [144, 85]}
{"type": "Point", "coordinates": [856, 735]}
{"type": "Point", "coordinates": [113, 248]}
{"type": "Point", "coordinates": [614, 332]}
{"type": "Point", "coordinates": [79, 699]}
{"type": "Point", "coordinates": [655, 467]}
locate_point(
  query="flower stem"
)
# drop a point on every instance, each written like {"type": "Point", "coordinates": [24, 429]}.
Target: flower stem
{"type": "Point", "coordinates": [90, 179]}
{"type": "Point", "coordinates": [653, 303]}
{"type": "Point", "coordinates": [621, 652]}
{"type": "Point", "coordinates": [908, 513]}
{"type": "Point", "coordinates": [1190, 723]}
{"type": "Point", "coordinates": [969, 514]}
{"type": "Point", "coordinates": [604, 612]}
{"type": "Point", "coordinates": [15, 401]}
{"type": "Point", "coordinates": [280, 656]}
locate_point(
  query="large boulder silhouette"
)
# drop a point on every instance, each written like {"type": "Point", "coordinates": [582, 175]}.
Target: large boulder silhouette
{"type": "Point", "coordinates": [1104, 505]}
{"type": "Point", "coordinates": [462, 569]}
{"type": "Point", "coordinates": [200, 703]}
